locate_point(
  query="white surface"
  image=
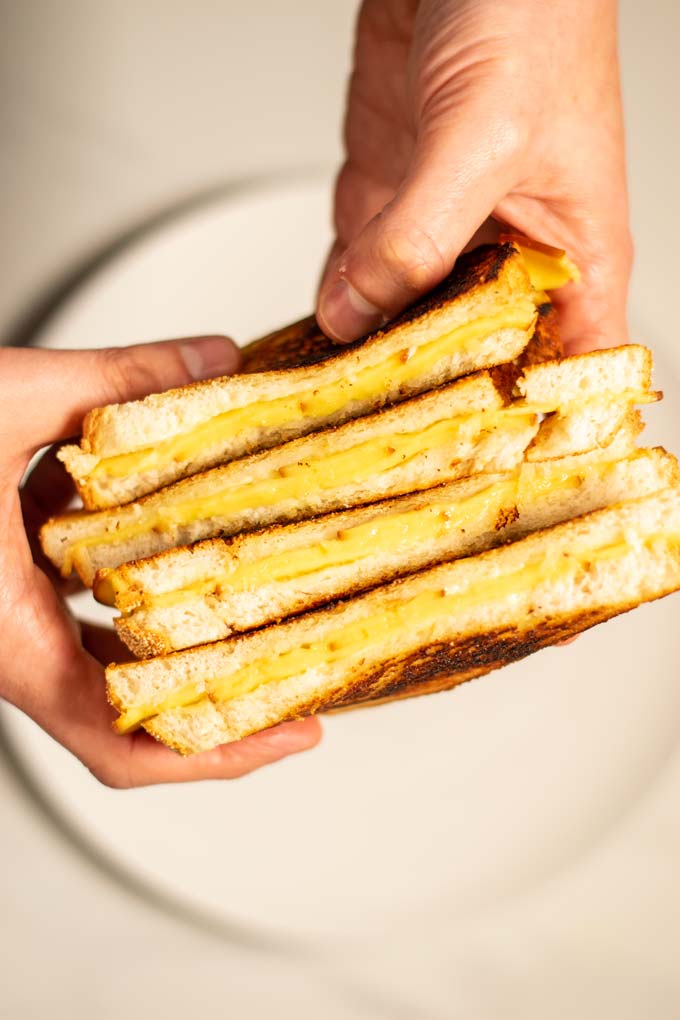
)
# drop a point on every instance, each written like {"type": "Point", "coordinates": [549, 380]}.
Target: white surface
{"type": "Point", "coordinates": [432, 816]}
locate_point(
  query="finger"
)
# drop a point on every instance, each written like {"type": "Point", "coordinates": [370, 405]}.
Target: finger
{"type": "Point", "coordinates": [68, 700]}
{"type": "Point", "coordinates": [48, 393]}
{"type": "Point", "coordinates": [358, 198]}
{"type": "Point", "coordinates": [336, 250]}
{"type": "Point", "coordinates": [48, 490]}
{"type": "Point", "coordinates": [457, 177]}
{"type": "Point", "coordinates": [150, 762]}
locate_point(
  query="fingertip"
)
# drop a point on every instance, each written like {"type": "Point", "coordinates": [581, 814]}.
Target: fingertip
{"type": "Point", "coordinates": [206, 357]}
{"type": "Point", "coordinates": [344, 314]}
{"type": "Point", "coordinates": [298, 735]}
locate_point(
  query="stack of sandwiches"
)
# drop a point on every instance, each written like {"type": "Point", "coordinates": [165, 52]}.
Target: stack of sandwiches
{"type": "Point", "coordinates": [336, 527]}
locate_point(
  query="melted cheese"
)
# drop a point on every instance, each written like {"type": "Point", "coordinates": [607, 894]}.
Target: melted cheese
{"type": "Point", "coordinates": [323, 402]}
{"type": "Point", "coordinates": [361, 462]}
{"type": "Point", "coordinates": [357, 639]}
{"type": "Point", "coordinates": [384, 535]}
{"type": "Point", "coordinates": [549, 268]}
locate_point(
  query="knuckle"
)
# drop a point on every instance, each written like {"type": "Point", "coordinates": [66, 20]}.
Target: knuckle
{"type": "Point", "coordinates": [129, 371]}
{"type": "Point", "coordinates": [410, 256]}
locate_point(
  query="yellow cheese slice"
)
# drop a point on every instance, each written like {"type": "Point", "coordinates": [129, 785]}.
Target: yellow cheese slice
{"type": "Point", "coordinates": [549, 268]}
{"type": "Point", "coordinates": [384, 534]}
{"type": "Point", "coordinates": [362, 384]}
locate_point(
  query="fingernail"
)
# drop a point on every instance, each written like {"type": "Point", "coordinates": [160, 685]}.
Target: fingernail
{"type": "Point", "coordinates": [346, 315]}
{"type": "Point", "coordinates": [208, 356]}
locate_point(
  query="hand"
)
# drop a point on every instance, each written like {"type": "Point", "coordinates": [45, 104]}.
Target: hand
{"type": "Point", "coordinates": [48, 667]}
{"type": "Point", "coordinates": [461, 110]}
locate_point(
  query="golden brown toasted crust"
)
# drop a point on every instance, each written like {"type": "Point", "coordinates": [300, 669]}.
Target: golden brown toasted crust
{"type": "Point", "coordinates": [303, 343]}
{"type": "Point", "coordinates": [545, 345]}
{"type": "Point", "coordinates": [439, 668]}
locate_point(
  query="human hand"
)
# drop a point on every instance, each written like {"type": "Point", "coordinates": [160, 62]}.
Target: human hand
{"type": "Point", "coordinates": [49, 667]}
{"type": "Point", "coordinates": [461, 110]}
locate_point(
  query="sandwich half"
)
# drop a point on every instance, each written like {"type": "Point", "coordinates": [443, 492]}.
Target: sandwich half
{"type": "Point", "coordinates": [461, 429]}
{"type": "Point", "coordinates": [206, 592]}
{"type": "Point", "coordinates": [483, 314]}
{"type": "Point", "coordinates": [424, 633]}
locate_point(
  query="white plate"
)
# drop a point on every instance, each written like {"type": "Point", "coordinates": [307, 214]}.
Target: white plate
{"type": "Point", "coordinates": [443, 807]}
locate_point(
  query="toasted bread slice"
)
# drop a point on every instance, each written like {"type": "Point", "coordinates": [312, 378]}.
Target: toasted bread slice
{"type": "Point", "coordinates": [483, 314]}
{"type": "Point", "coordinates": [205, 592]}
{"type": "Point", "coordinates": [431, 630]}
{"type": "Point", "coordinates": [451, 433]}
{"type": "Point", "coordinates": [602, 387]}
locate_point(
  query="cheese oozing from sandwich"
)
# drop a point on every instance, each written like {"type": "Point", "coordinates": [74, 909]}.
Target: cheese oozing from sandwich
{"type": "Point", "coordinates": [354, 641]}
{"type": "Point", "coordinates": [549, 268]}
{"type": "Point", "coordinates": [365, 383]}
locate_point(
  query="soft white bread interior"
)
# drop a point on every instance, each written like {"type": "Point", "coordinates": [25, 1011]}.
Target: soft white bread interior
{"type": "Point", "coordinates": [488, 292]}
{"type": "Point", "coordinates": [625, 369]}
{"type": "Point", "coordinates": [595, 390]}
{"type": "Point", "coordinates": [205, 592]}
{"type": "Point", "coordinates": [428, 631]}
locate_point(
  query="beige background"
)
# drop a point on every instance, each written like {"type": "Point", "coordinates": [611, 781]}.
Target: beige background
{"type": "Point", "coordinates": [110, 113]}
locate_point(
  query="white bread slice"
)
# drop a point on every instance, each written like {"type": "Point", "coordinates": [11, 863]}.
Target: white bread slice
{"type": "Point", "coordinates": [595, 395]}
{"type": "Point", "coordinates": [509, 602]}
{"type": "Point", "coordinates": [581, 377]}
{"type": "Point", "coordinates": [480, 444]}
{"type": "Point", "coordinates": [484, 284]}
{"type": "Point", "coordinates": [507, 506]}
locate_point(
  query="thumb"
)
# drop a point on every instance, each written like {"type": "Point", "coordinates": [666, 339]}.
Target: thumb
{"type": "Point", "coordinates": [456, 178]}
{"type": "Point", "coordinates": [47, 393]}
